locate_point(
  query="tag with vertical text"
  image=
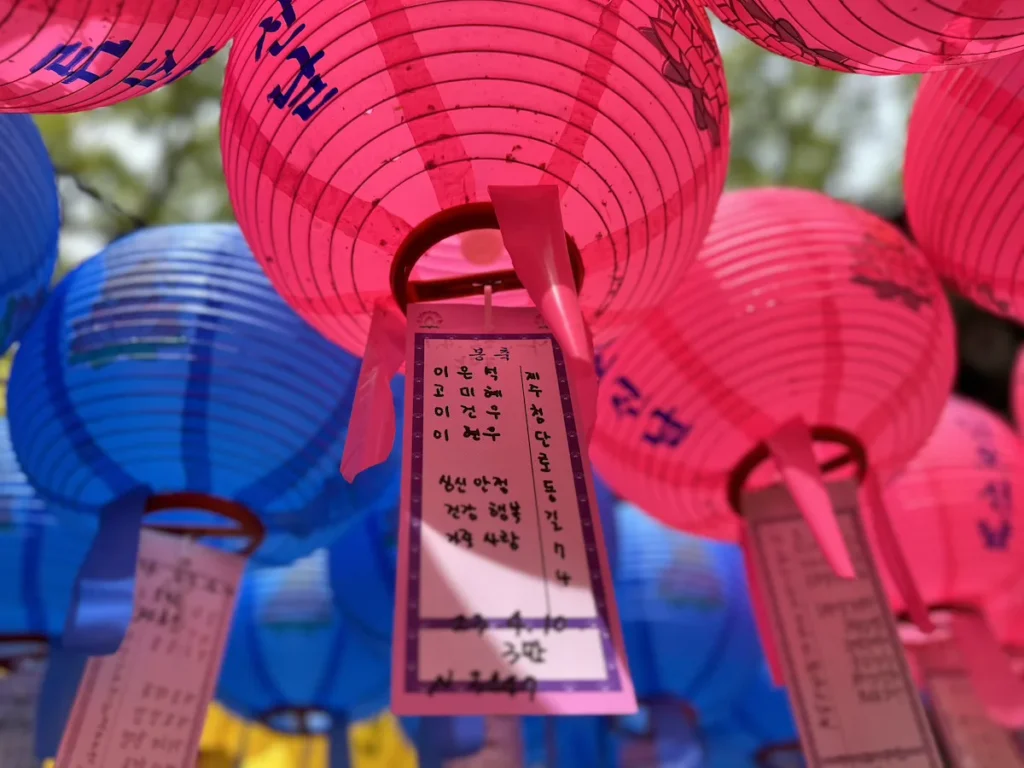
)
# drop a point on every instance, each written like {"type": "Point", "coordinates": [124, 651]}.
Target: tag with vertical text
{"type": "Point", "coordinates": [853, 696]}
{"type": "Point", "coordinates": [144, 706]}
{"type": "Point", "coordinates": [972, 739]}
{"type": "Point", "coordinates": [19, 699]}
{"type": "Point", "coordinates": [505, 603]}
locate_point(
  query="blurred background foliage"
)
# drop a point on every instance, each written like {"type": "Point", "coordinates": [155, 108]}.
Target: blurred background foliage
{"type": "Point", "coordinates": [156, 159]}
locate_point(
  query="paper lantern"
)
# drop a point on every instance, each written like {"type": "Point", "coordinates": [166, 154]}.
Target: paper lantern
{"type": "Point", "coordinates": [686, 616]}
{"type": "Point", "coordinates": [40, 554]}
{"type": "Point", "coordinates": [30, 221]}
{"type": "Point", "coordinates": [352, 133]}
{"type": "Point", "coordinates": [440, 739]}
{"type": "Point", "coordinates": [877, 37]}
{"type": "Point", "coordinates": [956, 508]}
{"type": "Point", "coordinates": [74, 55]}
{"type": "Point", "coordinates": [167, 363]}
{"type": "Point", "coordinates": [797, 306]}
{"type": "Point", "coordinates": [568, 742]}
{"type": "Point", "coordinates": [965, 150]}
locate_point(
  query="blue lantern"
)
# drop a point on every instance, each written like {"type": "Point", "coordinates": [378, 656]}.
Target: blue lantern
{"type": "Point", "coordinates": [30, 222]}
{"type": "Point", "coordinates": [440, 739]}
{"type": "Point", "coordinates": [166, 377]}
{"type": "Point", "coordinates": [686, 615]}
{"type": "Point", "coordinates": [294, 664]}
{"type": "Point", "coordinates": [569, 742]}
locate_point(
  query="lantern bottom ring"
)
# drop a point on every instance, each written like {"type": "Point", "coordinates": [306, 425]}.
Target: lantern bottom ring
{"type": "Point", "coordinates": [249, 527]}
{"type": "Point", "coordinates": [309, 721]}
{"type": "Point", "coordinates": [746, 466]}
{"type": "Point", "coordinates": [441, 226]}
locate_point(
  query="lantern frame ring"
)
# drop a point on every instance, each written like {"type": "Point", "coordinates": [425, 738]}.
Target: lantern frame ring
{"type": "Point", "coordinates": [302, 716]}
{"type": "Point", "coordinates": [248, 526]}
{"type": "Point", "coordinates": [442, 225]}
{"type": "Point", "coordinates": [756, 456]}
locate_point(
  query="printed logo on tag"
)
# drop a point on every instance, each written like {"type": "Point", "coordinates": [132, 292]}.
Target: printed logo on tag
{"type": "Point", "coordinates": [505, 604]}
{"type": "Point", "coordinates": [146, 704]}
{"type": "Point", "coordinates": [853, 696]}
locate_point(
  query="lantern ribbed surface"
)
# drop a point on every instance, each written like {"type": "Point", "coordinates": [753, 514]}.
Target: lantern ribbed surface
{"type": "Point", "coordinates": [75, 55]}
{"type": "Point", "coordinates": [956, 508]}
{"type": "Point", "coordinates": [346, 126]}
{"type": "Point", "coordinates": [40, 553]}
{"type": "Point", "coordinates": [167, 361]}
{"type": "Point", "coordinates": [307, 660]}
{"type": "Point", "coordinates": [30, 222]}
{"type": "Point", "coordinates": [962, 180]}
{"type": "Point", "coordinates": [686, 616]}
{"type": "Point", "coordinates": [798, 306]}
{"type": "Point", "coordinates": [879, 37]}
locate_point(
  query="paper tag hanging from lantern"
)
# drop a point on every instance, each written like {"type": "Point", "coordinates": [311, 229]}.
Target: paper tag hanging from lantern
{"type": "Point", "coordinates": [972, 739]}
{"type": "Point", "coordinates": [161, 680]}
{"type": "Point", "coordinates": [854, 698]}
{"type": "Point", "coordinates": [504, 598]}
{"type": "Point", "coordinates": [19, 697]}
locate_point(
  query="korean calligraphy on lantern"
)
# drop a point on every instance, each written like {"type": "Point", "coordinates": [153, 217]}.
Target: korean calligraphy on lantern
{"type": "Point", "coordinates": [970, 736]}
{"type": "Point", "coordinates": [996, 489]}
{"type": "Point", "coordinates": [508, 603]}
{"type": "Point", "coordinates": [853, 696]}
{"type": "Point", "coordinates": [144, 706]}
{"type": "Point", "coordinates": [19, 699]}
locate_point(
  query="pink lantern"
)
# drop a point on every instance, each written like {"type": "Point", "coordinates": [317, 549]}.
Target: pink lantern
{"type": "Point", "coordinates": [965, 150]}
{"type": "Point", "coordinates": [956, 506]}
{"type": "Point", "coordinates": [798, 306]}
{"type": "Point", "coordinates": [73, 55]}
{"type": "Point", "coordinates": [878, 37]}
{"type": "Point", "coordinates": [356, 136]}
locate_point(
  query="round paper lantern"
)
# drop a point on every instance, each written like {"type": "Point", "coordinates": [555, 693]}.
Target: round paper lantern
{"type": "Point", "coordinates": [74, 55]}
{"type": "Point", "coordinates": [292, 662]}
{"type": "Point", "coordinates": [440, 739]}
{"type": "Point", "coordinates": [965, 157]}
{"type": "Point", "coordinates": [351, 133]}
{"type": "Point", "coordinates": [876, 37]}
{"type": "Point", "coordinates": [568, 742]}
{"type": "Point", "coordinates": [956, 509]}
{"type": "Point", "coordinates": [40, 555]}
{"type": "Point", "coordinates": [686, 616]}
{"type": "Point", "coordinates": [168, 363]}
{"type": "Point", "coordinates": [30, 221]}
{"type": "Point", "coordinates": [798, 306]}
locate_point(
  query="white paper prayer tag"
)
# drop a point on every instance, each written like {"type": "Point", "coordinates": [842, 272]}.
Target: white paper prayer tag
{"type": "Point", "coordinates": [144, 706]}
{"type": "Point", "coordinates": [853, 696]}
{"type": "Point", "coordinates": [502, 749]}
{"type": "Point", "coordinates": [505, 604]}
{"type": "Point", "coordinates": [19, 699]}
{"type": "Point", "coordinates": [972, 739]}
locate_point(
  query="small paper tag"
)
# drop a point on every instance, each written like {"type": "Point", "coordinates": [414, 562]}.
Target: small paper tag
{"type": "Point", "coordinates": [503, 748]}
{"type": "Point", "coordinates": [971, 737]}
{"type": "Point", "coordinates": [19, 698]}
{"type": "Point", "coordinates": [505, 604]}
{"type": "Point", "coordinates": [144, 706]}
{"type": "Point", "coordinates": [852, 692]}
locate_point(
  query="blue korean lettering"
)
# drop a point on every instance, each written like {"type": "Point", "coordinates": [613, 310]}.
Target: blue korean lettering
{"type": "Point", "coordinates": [165, 69]}
{"type": "Point", "coordinates": [72, 61]}
{"type": "Point", "coordinates": [995, 539]}
{"type": "Point", "coordinates": [315, 86]}
{"type": "Point", "coordinates": [627, 400]}
{"type": "Point", "coordinates": [208, 54]}
{"type": "Point", "coordinates": [999, 496]}
{"type": "Point", "coordinates": [670, 431]}
{"type": "Point", "coordinates": [271, 25]}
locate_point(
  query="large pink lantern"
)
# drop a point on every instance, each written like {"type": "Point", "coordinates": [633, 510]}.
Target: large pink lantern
{"type": "Point", "coordinates": [73, 55]}
{"type": "Point", "coordinates": [356, 136]}
{"type": "Point", "coordinates": [879, 37]}
{"type": "Point", "coordinates": [798, 306]}
{"type": "Point", "coordinates": [965, 157]}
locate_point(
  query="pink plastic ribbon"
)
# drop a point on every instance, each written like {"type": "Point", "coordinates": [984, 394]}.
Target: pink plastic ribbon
{"type": "Point", "coordinates": [792, 450]}
{"type": "Point", "coordinates": [371, 429]}
{"type": "Point", "coordinates": [892, 553]}
{"type": "Point", "coordinates": [990, 669]}
{"type": "Point", "coordinates": [757, 601]}
{"type": "Point", "coordinates": [530, 218]}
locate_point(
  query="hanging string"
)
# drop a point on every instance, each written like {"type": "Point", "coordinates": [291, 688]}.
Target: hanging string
{"type": "Point", "coordinates": [135, 222]}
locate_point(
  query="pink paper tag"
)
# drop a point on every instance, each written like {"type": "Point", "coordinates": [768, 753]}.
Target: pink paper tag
{"type": "Point", "coordinates": [503, 748]}
{"type": "Point", "coordinates": [146, 704]}
{"type": "Point", "coordinates": [1000, 692]}
{"type": "Point", "coordinates": [972, 739]}
{"type": "Point", "coordinates": [853, 696]}
{"type": "Point", "coordinates": [504, 604]}
{"type": "Point", "coordinates": [19, 697]}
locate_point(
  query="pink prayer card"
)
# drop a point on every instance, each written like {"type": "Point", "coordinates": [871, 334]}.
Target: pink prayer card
{"type": "Point", "coordinates": [853, 696]}
{"type": "Point", "coordinates": [970, 736]}
{"type": "Point", "coordinates": [145, 706]}
{"type": "Point", "coordinates": [505, 603]}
